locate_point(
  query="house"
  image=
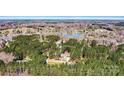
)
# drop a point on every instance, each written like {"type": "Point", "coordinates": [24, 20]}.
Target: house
{"type": "Point", "coordinates": [64, 58]}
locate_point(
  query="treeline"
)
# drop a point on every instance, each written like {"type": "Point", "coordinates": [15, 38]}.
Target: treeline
{"type": "Point", "coordinates": [119, 24]}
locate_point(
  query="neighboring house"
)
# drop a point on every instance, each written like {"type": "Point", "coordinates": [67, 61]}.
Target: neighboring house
{"type": "Point", "coordinates": [58, 43]}
{"type": "Point", "coordinates": [6, 38]}
{"type": "Point", "coordinates": [6, 57]}
{"type": "Point", "coordinates": [2, 44]}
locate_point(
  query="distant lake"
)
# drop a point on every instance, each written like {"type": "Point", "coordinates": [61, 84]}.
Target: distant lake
{"type": "Point", "coordinates": [75, 35]}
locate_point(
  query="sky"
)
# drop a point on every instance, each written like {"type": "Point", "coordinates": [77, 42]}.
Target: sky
{"type": "Point", "coordinates": [65, 17]}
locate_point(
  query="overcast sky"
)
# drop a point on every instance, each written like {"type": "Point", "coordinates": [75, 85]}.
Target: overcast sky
{"type": "Point", "coordinates": [64, 17]}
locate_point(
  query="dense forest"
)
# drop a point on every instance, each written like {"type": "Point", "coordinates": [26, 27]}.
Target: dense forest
{"type": "Point", "coordinates": [120, 24]}
{"type": "Point", "coordinates": [90, 59]}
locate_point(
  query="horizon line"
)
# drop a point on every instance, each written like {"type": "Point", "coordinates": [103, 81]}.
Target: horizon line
{"type": "Point", "coordinates": [63, 17]}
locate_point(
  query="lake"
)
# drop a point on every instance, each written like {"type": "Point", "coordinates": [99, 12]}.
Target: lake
{"type": "Point", "coordinates": [75, 35]}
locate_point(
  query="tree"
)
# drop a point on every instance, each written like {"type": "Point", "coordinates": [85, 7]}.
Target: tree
{"type": "Point", "coordinates": [93, 43]}
{"type": "Point", "coordinates": [52, 38]}
{"type": "Point", "coordinates": [2, 67]}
